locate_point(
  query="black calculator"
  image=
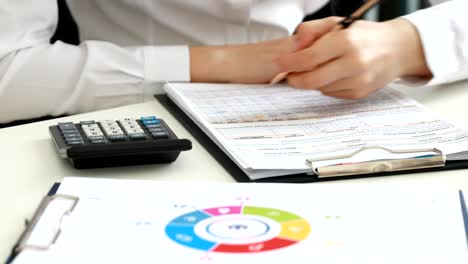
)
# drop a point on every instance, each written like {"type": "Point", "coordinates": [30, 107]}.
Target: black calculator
{"type": "Point", "coordinates": [109, 143]}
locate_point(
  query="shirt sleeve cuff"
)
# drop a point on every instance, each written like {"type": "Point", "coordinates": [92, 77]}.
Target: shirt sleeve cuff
{"type": "Point", "coordinates": [431, 30]}
{"type": "Point", "coordinates": [167, 63]}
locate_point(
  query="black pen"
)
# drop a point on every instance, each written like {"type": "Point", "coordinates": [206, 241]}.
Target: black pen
{"type": "Point", "coordinates": [343, 24]}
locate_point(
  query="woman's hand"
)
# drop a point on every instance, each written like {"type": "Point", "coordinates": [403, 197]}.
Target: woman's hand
{"type": "Point", "coordinates": [354, 62]}
{"type": "Point", "coordinates": [249, 63]}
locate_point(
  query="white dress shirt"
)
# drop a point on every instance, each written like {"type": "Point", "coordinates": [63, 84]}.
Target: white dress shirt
{"type": "Point", "coordinates": [128, 47]}
{"type": "Point", "coordinates": [444, 34]}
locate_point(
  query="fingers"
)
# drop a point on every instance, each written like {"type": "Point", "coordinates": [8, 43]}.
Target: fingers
{"type": "Point", "coordinates": [325, 49]}
{"type": "Point", "coordinates": [326, 74]}
{"type": "Point", "coordinates": [355, 87]}
{"type": "Point", "coordinates": [350, 88]}
{"type": "Point", "coordinates": [347, 94]}
{"type": "Point", "coordinates": [308, 32]}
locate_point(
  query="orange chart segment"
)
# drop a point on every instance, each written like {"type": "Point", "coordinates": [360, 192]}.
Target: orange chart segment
{"type": "Point", "coordinates": [295, 230]}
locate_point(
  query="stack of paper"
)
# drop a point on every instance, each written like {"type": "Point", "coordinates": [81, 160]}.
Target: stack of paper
{"type": "Point", "coordinates": [272, 130]}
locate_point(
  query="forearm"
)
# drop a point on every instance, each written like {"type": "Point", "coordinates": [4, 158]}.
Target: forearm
{"type": "Point", "coordinates": [409, 49]}
{"type": "Point", "coordinates": [443, 31]}
{"type": "Point", "coordinates": [208, 64]}
{"type": "Point", "coordinates": [248, 63]}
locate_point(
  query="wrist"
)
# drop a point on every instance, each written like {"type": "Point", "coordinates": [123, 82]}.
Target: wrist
{"type": "Point", "coordinates": [207, 64]}
{"type": "Point", "coordinates": [409, 51]}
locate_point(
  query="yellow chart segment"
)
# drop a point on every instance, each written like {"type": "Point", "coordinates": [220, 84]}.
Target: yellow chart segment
{"type": "Point", "coordinates": [295, 230]}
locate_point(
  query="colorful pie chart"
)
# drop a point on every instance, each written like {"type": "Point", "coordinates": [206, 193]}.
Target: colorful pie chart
{"type": "Point", "coordinates": [238, 229]}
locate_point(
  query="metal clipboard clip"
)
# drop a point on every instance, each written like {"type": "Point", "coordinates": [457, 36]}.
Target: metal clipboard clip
{"type": "Point", "coordinates": [417, 159]}
{"type": "Point", "coordinates": [31, 225]}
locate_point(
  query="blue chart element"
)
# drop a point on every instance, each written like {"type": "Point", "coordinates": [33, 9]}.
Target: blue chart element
{"type": "Point", "coordinates": [191, 218]}
{"type": "Point", "coordinates": [181, 230]}
{"type": "Point", "coordinates": [186, 236]}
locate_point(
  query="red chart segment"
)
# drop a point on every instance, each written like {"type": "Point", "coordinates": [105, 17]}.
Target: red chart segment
{"type": "Point", "coordinates": [271, 244]}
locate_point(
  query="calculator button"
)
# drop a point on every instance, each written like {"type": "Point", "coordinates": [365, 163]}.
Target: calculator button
{"type": "Point", "coordinates": [110, 126]}
{"type": "Point", "coordinates": [120, 137]}
{"type": "Point", "coordinates": [96, 138]}
{"type": "Point", "coordinates": [114, 132]}
{"type": "Point", "coordinates": [90, 128]}
{"type": "Point", "coordinates": [70, 131]}
{"type": "Point", "coordinates": [75, 142]}
{"type": "Point", "coordinates": [135, 131]}
{"type": "Point", "coordinates": [90, 122]}
{"type": "Point", "coordinates": [131, 127]}
{"type": "Point", "coordinates": [94, 134]}
{"type": "Point", "coordinates": [107, 122]}
{"type": "Point", "coordinates": [137, 136]}
{"type": "Point", "coordinates": [73, 138]}
{"type": "Point", "coordinates": [151, 122]}
{"type": "Point", "coordinates": [66, 126]}
{"type": "Point", "coordinates": [153, 125]}
{"type": "Point", "coordinates": [144, 118]}
{"type": "Point", "coordinates": [159, 135]}
{"type": "Point", "coordinates": [98, 141]}
{"type": "Point", "coordinates": [84, 126]}
{"type": "Point", "coordinates": [157, 129]}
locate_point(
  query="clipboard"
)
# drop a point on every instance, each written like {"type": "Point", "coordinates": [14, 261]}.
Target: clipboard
{"type": "Point", "coordinates": [22, 242]}
{"type": "Point", "coordinates": [436, 162]}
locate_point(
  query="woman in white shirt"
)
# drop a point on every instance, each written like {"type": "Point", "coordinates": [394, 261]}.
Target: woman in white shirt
{"type": "Point", "coordinates": [129, 46]}
{"type": "Point", "coordinates": [431, 44]}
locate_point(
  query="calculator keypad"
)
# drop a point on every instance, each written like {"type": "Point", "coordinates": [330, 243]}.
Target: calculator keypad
{"type": "Point", "coordinates": [112, 131]}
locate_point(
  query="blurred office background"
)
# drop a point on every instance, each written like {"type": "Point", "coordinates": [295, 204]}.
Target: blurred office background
{"type": "Point", "coordinates": [393, 8]}
{"type": "Point", "coordinates": [387, 10]}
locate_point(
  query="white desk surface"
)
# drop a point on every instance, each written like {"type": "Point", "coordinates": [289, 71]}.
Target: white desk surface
{"type": "Point", "coordinates": [30, 165]}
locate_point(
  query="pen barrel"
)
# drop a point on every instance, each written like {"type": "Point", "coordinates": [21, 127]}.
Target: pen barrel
{"type": "Point", "coordinates": [345, 7]}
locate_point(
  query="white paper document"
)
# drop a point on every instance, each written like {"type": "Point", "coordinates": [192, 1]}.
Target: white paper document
{"type": "Point", "coordinates": [272, 130]}
{"type": "Point", "coordinates": [131, 221]}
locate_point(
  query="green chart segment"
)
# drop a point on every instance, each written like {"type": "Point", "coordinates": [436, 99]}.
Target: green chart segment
{"type": "Point", "coordinates": [238, 229]}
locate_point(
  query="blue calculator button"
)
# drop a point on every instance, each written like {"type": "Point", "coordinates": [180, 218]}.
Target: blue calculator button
{"type": "Point", "coordinates": [144, 118]}
{"type": "Point", "coordinates": [150, 122]}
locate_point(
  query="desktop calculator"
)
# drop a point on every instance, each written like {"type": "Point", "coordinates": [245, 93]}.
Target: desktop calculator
{"type": "Point", "coordinates": [108, 143]}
